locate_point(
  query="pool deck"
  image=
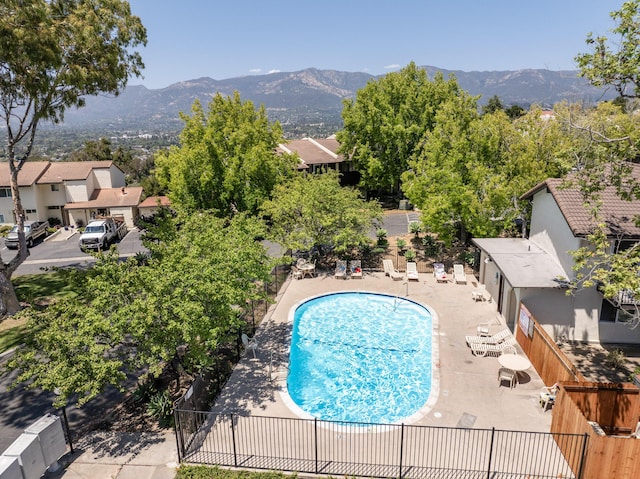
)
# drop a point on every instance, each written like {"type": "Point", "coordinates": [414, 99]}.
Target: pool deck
{"type": "Point", "coordinates": [465, 390]}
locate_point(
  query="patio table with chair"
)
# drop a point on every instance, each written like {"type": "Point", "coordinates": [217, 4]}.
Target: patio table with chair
{"type": "Point", "coordinates": [306, 268]}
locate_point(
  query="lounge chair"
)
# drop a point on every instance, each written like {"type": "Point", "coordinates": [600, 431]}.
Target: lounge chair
{"type": "Point", "coordinates": [355, 267]}
{"type": "Point", "coordinates": [458, 274]}
{"type": "Point", "coordinates": [493, 339]}
{"type": "Point", "coordinates": [412, 271]}
{"type": "Point", "coordinates": [390, 271]}
{"type": "Point", "coordinates": [341, 269]}
{"type": "Point", "coordinates": [439, 273]}
{"type": "Point", "coordinates": [482, 349]}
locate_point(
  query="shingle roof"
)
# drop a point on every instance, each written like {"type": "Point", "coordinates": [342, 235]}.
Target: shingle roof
{"type": "Point", "coordinates": [29, 174]}
{"type": "Point", "coordinates": [314, 152]}
{"type": "Point", "coordinates": [617, 213]}
{"type": "Point", "coordinates": [71, 170]}
{"type": "Point", "coordinates": [152, 202]}
{"type": "Point", "coordinates": [110, 198]}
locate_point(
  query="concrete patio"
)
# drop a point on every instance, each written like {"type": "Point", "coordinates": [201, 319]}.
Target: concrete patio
{"type": "Point", "coordinates": [465, 390]}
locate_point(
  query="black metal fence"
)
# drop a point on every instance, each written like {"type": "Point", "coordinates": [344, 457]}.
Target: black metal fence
{"type": "Point", "coordinates": [375, 450]}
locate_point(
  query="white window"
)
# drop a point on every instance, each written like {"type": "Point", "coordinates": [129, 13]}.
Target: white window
{"type": "Point", "coordinates": [5, 192]}
{"type": "Point", "coordinates": [55, 187]}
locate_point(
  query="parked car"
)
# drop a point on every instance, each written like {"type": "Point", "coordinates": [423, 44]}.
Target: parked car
{"type": "Point", "coordinates": [100, 233]}
{"type": "Point", "coordinates": [33, 230]}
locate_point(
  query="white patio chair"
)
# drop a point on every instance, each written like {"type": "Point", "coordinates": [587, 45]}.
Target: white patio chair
{"type": "Point", "coordinates": [249, 343]}
{"type": "Point", "coordinates": [390, 271]}
{"type": "Point", "coordinates": [412, 271]}
{"type": "Point", "coordinates": [505, 374]}
{"type": "Point", "coordinates": [458, 274]}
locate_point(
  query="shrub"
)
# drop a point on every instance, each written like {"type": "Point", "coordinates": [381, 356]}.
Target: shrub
{"type": "Point", "coordinates": [143, 392]}
{"type": "Point", "coordinates": [410, 255]}
{"type": "Point", "coordinates": [4, 229]}
{"type": "Point", "coordinates": [161, 407]}
{"type": "Point", "coordinates": [401, 244]}
{"type": "Point", "coordinates": [415, 228]}
{"type": "Point", "coordinates": [430, 245]}
{"type": "Point", "coordinates": [616, 358]}
{"type": "Point", "coordinates": [53, 221]}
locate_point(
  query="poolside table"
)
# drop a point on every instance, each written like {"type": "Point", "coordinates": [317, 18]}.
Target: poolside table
{"type": "Point", "coordinates": [307, 269]}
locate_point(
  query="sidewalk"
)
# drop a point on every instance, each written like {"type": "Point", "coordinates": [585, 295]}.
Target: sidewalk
{"type": "Point", "coordinates": [109, 455]}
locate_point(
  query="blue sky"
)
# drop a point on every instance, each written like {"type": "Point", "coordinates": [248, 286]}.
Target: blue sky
{"type": "Point", "coordinates": [221, 39]}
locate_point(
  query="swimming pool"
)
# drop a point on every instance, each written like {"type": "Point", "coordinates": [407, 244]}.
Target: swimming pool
{"type": "Point", "coordinates": [360, 357]}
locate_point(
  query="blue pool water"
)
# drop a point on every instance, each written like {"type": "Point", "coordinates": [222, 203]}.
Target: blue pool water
{"type": "Point", "coordinates": [360, 357]}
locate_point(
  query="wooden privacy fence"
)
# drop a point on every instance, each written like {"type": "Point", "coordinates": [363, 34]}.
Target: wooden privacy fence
{"type": "Point", "coordinates": [608, 415]}
{"type": "Point", "coordinates": [550, 362]}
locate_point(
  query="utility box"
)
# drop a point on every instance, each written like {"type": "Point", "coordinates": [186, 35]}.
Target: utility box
{"type": "Point", "coordinates": [49, 431]}
{"type": "Point", "coordinates": [29, 454]}
{"type": "Point", "coordinates": [9, 468]}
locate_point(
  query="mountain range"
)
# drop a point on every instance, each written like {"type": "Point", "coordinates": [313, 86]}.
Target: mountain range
{"type": "Point", "coordinates": [307, 98]}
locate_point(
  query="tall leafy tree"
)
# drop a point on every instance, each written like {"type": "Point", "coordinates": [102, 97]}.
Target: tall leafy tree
{"type": "Point", "coordinates": [616, 63]}
{"type": "Point", "coordinates": [53, 54]}
{"type": "Point", "coordinates": [470, 170]}
{"type": "Point", "coordinates": [385, 123]}
{"type": "Point", "coordinates": [609, 145]}
{"type": "Point", "coordinates": [494, 104]}
{"type": "Point", "coordinates": [227, 159]}
{"type": "Point", "coordinates": [604, 140]}
{"type": "Point", "coordinates": [314, 210]}
{"type": "Point", "coordinates": [129, 316]}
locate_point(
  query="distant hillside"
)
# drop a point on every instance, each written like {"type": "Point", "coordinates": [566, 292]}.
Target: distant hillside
{"type": "Point", "coordinates": [300, 100]}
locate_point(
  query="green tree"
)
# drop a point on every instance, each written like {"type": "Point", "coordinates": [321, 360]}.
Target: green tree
{"type": "Point", "coordinates": [616, 63]}
{"type": "Point", "coordinates": [129, 316]}
{"type": "Point", "coordinates": [515, 111]}
{"type": "Point", "coordinates": [55, 53]}
{"type": "Point", "coordinates": [93, 151]}
{"type": "Point", "coordinates": [227, 159]}
{"type": "Point", "coordinates": [314, 210]}
{"type": "Point", "coordinates": [603, 140]}
{"type": "Point", "coordinates": [470, 170]}
{"type": "Point", "coordinates": [494, 104]}
{"type": "Point", "coordinates": [610, 140]}
{"type": "Point", "coordinates": [385, 123]}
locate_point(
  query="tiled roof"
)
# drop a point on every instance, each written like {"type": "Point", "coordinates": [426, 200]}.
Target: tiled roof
{"type": "Point", "coordinates": [152, 202]}
{"type": "Point", "coordinates": [617, 213]}
{"type": "Point", "coordinates": [110, 198]}
{"type": "Point", "coordinates": [29, 174]}
{"type": "Point", "coordinates": [314, 152]}
{"type": "Point", "coordinates": [71, 170]}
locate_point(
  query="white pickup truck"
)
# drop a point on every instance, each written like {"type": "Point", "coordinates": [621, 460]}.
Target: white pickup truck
{"type": "Point", "coordinates": [100, 233]}
{"type": "Point", "coordinates": [33, 230]}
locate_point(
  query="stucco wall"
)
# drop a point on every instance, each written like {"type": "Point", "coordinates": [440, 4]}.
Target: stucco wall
{"type": "Point", "coordinates": [79, 190]}
{"type": "Point", "coordinates": [109, 177]}
{"type": "Point", "coordinates": [550, 231]}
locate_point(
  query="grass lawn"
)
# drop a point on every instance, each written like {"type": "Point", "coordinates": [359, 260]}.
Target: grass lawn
{"type": "Point", "coordinates": [35, 289]}
{"type": "Point", "coordinates": [12, 333]}
{"type": "Point", "coordinates": [207, 472]}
